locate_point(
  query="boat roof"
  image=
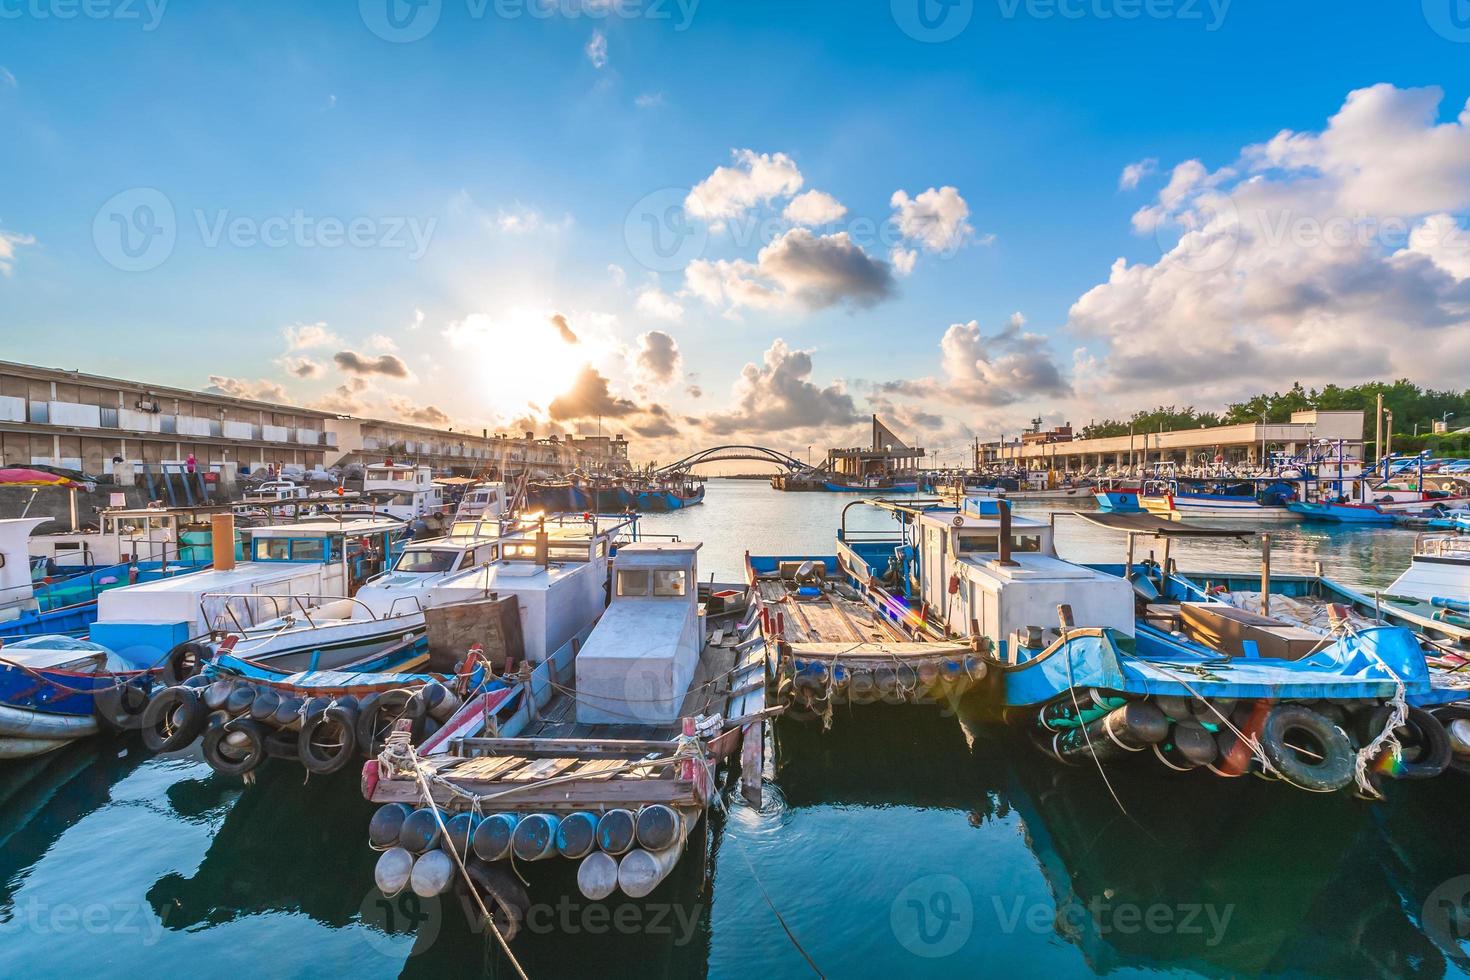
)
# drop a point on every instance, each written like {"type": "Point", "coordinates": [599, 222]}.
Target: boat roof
{"type": "Point", "coordinates": [1158, 526]}
{"type": "Point", "coordinates": [651, 553]}
{"type": "Point", "coordinates": [306, 528]}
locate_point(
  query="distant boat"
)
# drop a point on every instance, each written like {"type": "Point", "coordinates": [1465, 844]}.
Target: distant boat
{"type": "Point", "coordinates": [1340, 513]}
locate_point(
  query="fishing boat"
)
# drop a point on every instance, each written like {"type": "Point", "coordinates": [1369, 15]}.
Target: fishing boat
{"type": "Point", "coordinates": [858, 626]}
{"type": "Point", "coordinates": [1119, 496]}
{"type": "Point", "coordinates": [403, 491]}
{"type": "Point", "coordinates": [1322, 699]}
{"type": "Point", "coordinates": [507, 592]}
{"type": "Point", "coordinates": [874, 484]}
{"type": "Point", "coordinates": [670, 492]}
{"type": "Point", "coordinates": [605, 754]}
{"type": "Point", "coordinates": [1341, 512]}
{"type": "Point", "coordinates": [1232, 498]}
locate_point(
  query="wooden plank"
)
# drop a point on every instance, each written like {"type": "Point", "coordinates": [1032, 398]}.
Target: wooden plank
{"type": "Point", "coordinates": [541, 769]}
{"type": "Point", "coordinates": [586, 748]}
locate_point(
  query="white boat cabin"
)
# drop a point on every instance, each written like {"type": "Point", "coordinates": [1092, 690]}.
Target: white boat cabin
{"type": "Point", "coordinates": [636, 667]}
{"type": "Point", "coordinates": [558, 574]}
{"type": "Point", "coordinates": [16, 594]}
{"type": "Point", "coordinates": [1440, 569]}
{"type": "Point", "coordinates": [483, 501]}
{"type": "Point", "coordinates": [402, 490]}
{"type": "Point", "coordinates": [147, 534]}
{"type": "Point", "coordinates": [289, 566]}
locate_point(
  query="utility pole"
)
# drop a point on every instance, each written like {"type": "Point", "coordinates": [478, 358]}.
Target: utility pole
{"type": "Point", "coordinates": [1378, 430]}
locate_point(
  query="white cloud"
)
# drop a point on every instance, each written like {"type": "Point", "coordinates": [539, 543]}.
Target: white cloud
{"type": "Point", "coordinates": [8, 78]}
{"type": "Point", "coordinates": [753, 179]}
{"type": "Point", "coordinates": [382, 342]}
{"type": "Point", "coordinates": [798, 269]}
{"type": "Point", "coordinates": [522, 220]}
{"type": "Point", "coordinates": [9, 242]}
{"type": "Point", "coordinates": [658, 304]}
{"type": "Point", "coordinates": [649, 100]}
{"type": "Point", "coordinates": [1316, 256]}
{"type": "Point", "coordinates": [1006, 367]}
{"type": "Point", "coordinates": [597, 50]}
{"type": "Point", "coordinates": [814, 208]}
{"type": "Point", "coordinates": [619, 276]}
{"type": "Point", "coordinates": [903, 260]}
{"type": "Point", "coordinates": [778, 395]}
{"type": "Point", "coordinates": [936, 220]}
{"type": "Point", "coordinates": [309, 336]}
{"type": "Point", "coordinates": [658, 360]}
{"type": "Point", "coordinates": [1135, 172]}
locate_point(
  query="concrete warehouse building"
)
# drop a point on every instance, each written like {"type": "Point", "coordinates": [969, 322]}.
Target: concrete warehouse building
{"type": "Point", "coordinates": [86, 422]}
{"type": "Point", "coordinates": [1236, 444]}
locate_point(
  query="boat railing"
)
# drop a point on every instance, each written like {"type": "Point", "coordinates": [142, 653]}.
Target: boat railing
{"type": "Point", "coordinates": [1439, 544]}
{"type": "Point", "coordinates": [300, 602]}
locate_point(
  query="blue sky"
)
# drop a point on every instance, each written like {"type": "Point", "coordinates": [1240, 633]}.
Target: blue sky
{"type": "Point", "coordinates": [517, 146]}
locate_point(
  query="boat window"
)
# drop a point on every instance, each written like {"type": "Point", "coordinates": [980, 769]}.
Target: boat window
{"type": "Point", "coordinates": [424, 561]}
{"type": "Point", "coordinates": [308, 549]}
{"type": "Point", "coordinates": [1025, 542]}
{"type": "Point", "coordinates": [668, 581]}
{"type": "Point", "coordinates": [273, 549]}
{"type": "Point", "coordinates": [971, 544]}
{"type": "Point", "coordinates": [633, 581]}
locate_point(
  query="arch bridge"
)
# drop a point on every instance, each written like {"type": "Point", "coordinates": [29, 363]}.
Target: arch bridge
{"type": "Point", "coordinates": [723, 454]}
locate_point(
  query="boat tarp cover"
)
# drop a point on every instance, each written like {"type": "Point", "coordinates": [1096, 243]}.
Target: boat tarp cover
{"type": "Point", "coordinates": [1154, 524]}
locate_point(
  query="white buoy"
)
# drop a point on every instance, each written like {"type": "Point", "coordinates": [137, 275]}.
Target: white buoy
{"type": "Point", "coordinates": [1459, 730]}
{"type": "Point", "coordinates": [433, 873]}
{"type": "Point", "coordinates": [393, 871]}
{"type": "Point", "coordinates": [597, 876]}
{"type": "Point", "coordinates": [640, 871]}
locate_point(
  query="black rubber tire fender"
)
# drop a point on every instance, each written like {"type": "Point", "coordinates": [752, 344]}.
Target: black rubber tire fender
{"type": "Point", "coordinates": [1425, 731]}
{"type": "Point", "coordinates": [1332, 772]}
{"type": "Point", "coordinates": [255, 753]}
{"type": "Point", "coordinates": [396, 704]}
{"type": "Point", "coordinates": [120, 705]}
{"type": "Point", "coordinates": [1450, 713]}
{"type": "Point", "coordinates": [504, 895]}
{"type": "Point", "coordinates": [324, 759]}
{"type": "Point", "coordinates": [184, 661]}
{"type": "Point", "coordinates": [174, 719]}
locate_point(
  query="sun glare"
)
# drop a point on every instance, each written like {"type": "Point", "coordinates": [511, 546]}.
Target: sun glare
{"type": "Point", "coordinates": [518, 361]}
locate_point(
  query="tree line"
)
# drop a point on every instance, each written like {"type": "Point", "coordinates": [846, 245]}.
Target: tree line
{"type": "Point", "coordinates": [1411, 405]}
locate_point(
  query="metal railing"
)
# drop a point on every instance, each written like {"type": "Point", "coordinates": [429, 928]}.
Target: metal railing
{"type": "Point", "coordinates": [299, 601]}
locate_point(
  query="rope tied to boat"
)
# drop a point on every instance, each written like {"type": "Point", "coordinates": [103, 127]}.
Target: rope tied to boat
{"type": "Point", "coordinates": [412, 757]}
{"type": "Point", "coordinates": [1386, 740]}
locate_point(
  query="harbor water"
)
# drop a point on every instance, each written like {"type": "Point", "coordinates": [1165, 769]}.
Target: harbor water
{"type": "Point", "coordinates": [914, 843]}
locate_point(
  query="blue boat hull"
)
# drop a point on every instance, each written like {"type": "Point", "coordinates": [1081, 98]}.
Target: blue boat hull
{"type": "Point", "coordinates": [1340, 513]}
{"type": "Point", "coordinates": [1118, 501]}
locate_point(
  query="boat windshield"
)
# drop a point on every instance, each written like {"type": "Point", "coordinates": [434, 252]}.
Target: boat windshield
{"type": "Point", "coordinates": [426, 561]}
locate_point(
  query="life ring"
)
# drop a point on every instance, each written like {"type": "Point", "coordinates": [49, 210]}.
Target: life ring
{"type": "Point", "coordinates": [173, 719]}
{"type": "Point", "coordinates": [119, 706]}
{"type": "Point", "coordinates": [1329, 765]}
{"type": "Point", "coordinates": [1424, 744]}
{"type": "Point", "coordinates": [223, 756]}
{"type": "Point", "coordinates": [328, 740]}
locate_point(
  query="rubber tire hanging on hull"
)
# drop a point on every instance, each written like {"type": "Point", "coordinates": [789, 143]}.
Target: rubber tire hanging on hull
{"type": "Point", "coordinates": [504, 895]}
{"type": "Point", "coordinates": [174, 719]}
{"type": "Point", "coordinates": [119, 707]}
{"type": "Point", "coordinates": [1331, 772]}
{"type": "Point", "coordinates": [1425, 731]}
{"type": "Point", "coordinates": [325, 759]}
{"type": "Point", "coordinates": [255, 734]}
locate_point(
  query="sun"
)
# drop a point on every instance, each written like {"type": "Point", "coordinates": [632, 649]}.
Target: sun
{"type": "Point", "coordinates": [517, 361]}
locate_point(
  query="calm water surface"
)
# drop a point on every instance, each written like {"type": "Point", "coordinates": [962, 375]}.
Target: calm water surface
{"type": "Point", "coordinates": [902, 842]}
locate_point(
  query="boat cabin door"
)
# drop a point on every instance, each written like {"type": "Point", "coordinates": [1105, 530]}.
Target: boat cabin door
{"type": "Point", "coordinates": [933, 566]}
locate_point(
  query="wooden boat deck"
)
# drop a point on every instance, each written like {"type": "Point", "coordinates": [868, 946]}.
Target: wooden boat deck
{"type": "Point", "coordinates": [826, 618]}
{"type": "Point", "coordinates": [596, 765]}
